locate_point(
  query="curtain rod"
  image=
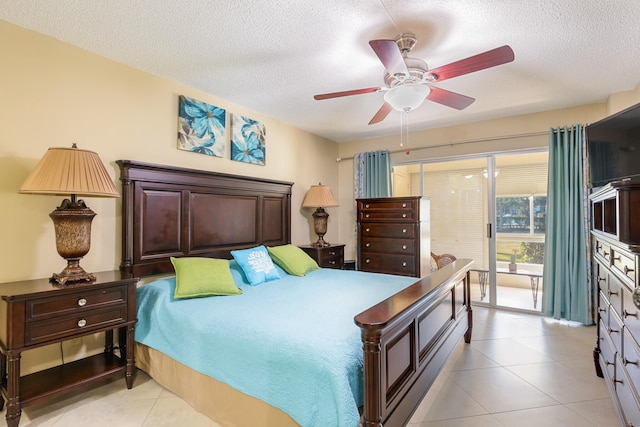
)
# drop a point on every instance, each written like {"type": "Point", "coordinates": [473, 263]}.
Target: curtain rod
{"type": "Point", "coordinates": [466, 141]}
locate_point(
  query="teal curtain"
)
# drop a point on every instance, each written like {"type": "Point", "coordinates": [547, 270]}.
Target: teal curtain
{"type": "Point", "coordinates": [567, 292]}
{"type": "Point", "coordinates": [372, 174]}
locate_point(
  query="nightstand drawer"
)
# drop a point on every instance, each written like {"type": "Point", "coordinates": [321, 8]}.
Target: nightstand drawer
{"type": "Point", "coordinates": [58, 328]}
{"type": "Point", "coordinates": [42, 308]}
{"type": "Point", "coordinates": [332, 257]}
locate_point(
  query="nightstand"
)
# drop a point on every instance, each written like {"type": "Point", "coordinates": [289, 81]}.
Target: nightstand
{"type": "Point", "coordinates": [327, 256]}
{"type": "Point", "coordinates": [38, 313]}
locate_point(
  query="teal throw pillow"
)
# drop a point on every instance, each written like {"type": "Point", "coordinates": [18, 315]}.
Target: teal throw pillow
{"type": "Point", "coordinates": [201, 277]}
{"type": "Point", "coordinates": [292, 259]}
{"type": "Point", "coordinates": [256, 264]}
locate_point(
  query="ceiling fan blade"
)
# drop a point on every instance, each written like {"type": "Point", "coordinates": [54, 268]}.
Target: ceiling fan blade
{"type": "Point", "coordinates": [450, 99]}
{"type": "Point", "coordinates": [346, 93]}
{"type": "Point", "coordinates": [390, 56]}
{"type": "Point", "coordinates": [488, 59]}
{"type": "Point", "coordinates": [382, 113]}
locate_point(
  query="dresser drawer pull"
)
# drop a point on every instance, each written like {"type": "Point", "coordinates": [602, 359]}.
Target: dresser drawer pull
{"type": "Point", "coordinates": [332, 253]}
{"type": "Point", "coordinates": [82, 302]}
{"type": "Point", "coordinates": [602, 310]}
{"type": "Point", "coordinates": [366, 245]}
{"type": "Point", "coordinates": [618, 381]}
{"type": "Point", "coordinates": [367, 229]}
{"type": "Point", "coordinates": [367, 260]}
{"type": "Point", "coordinates": [366, 216]}
{"type": "Point", "coordinates": [626, 362]}
{"type": "Point", "coordinates": [598, 246]}
{"type": "Point", "coordinates": [404, 247]}
{"type": "Point", "coordinates": [404, 230]}
{"type": "Point", "coordinates": [601, 279]}
{"type": "Point", "coordinates": [627, 269]}
{"type": "Point", "coordinates": [82, 323]}
{"type": "Point", "coordinates": [367, 205]}
{"type": "Point", "coordinates": [332, 262]}
{"type": "Point", "coordinates": [613, 331]}
{"type": "Point", "coordinates": [605, 253]}
{"type": "Point", "coordinates": [404, 215]}
{"type": "Point", "coordinates": [404, 264]}
{"type": "Point", "coordinates": [404, 205]}
{"type": "Point", "coordinates": [626, 314]}
{"type": "Point", "coordinates": [612, 293]}
{"type": "Point", "coordinates": [606, 362]}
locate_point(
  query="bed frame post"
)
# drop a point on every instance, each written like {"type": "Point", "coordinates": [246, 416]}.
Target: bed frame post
{"type": "Point", "coordinates": [372, 414]}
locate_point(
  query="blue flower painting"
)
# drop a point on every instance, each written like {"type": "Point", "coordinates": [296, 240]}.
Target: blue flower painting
{"type": "Point", "coordinates": [247, 140]}
{"type": "Point", "coordinates": [201, 127]}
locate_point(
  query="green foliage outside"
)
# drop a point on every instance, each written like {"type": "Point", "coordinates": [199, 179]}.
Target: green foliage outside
{"type": "Point", "coordinates": [526, 252]}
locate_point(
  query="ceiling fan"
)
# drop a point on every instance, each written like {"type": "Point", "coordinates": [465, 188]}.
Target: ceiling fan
{"type": "Point", "coordinates": [409, 81]}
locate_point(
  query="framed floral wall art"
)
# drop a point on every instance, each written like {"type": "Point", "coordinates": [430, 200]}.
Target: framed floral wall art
{"type": "Point", "coordinates": [247, 140]}
{"type": "Point", "coordinates": [201, 127]}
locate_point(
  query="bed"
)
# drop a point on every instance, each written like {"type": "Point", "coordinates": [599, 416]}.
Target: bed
{"type": "Point", "coordinates": [393, 334]}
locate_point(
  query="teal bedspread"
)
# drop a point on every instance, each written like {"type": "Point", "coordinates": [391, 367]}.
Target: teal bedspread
{"type": "Point", "coordinates": [291, 342]}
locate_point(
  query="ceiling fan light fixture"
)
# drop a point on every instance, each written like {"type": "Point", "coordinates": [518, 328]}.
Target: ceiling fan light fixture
{"type": "Point", "coordinates": [407, 97]}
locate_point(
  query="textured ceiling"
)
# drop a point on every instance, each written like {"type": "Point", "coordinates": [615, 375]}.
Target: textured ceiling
{"type": "Point", "coordinates": [273, 56]}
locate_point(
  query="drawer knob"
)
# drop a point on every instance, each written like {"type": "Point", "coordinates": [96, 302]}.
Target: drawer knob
{"type": "Point", "coordinates": [332, 262]}
{"type": "Point", "coordinates": [404, 230]}
{"type": "Point", "coordinates": [602, 310]}
{"type": "Point", "coordinates": [366, 216]}
{"type": "Point", "coordinates": [612, 293]}
{"type": "Point", "coordinates": [404, 247]}
{"type": "Point", "coordinates": [404, 205]}
{"type": "Point", "coordinates": [366, 245]}
{"type": "Point", "coordinates": [332, 252]}
{"type": "Point", "coordinates": [82, 323]}
{"type": "Point", "coordinates": [616, 258]}
{"type": "Point", "coordinates": [367, 205]}
{"type": "Point", "coordinates": [404, 215]}
{"type": "Point", "coordinates": [605, 253]}
{"type": "Point", "coordinates": [404, 264]}
{"type": "Point", "coordinates": [601, 279]}
{"type": "Point", "coordinates": [367, 229]}
{"type": "Point", "coordinates": [626, 362]}
{"type": "Point", "coordinates": [367, 260]}
{"type": "Point", "coordinates": [82, 302]}
{"type": "Point", "coordinates": [613, 331]}
{"type": "Point", "coordinates": [627, 270]}
{"type": "Point", "coordinates": [626, 314]}
{"type": "Point", "coordinates": [598, 246]}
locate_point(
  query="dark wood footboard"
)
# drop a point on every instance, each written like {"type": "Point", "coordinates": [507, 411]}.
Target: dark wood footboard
{"type": "Point", "coordinates": [407, 339]}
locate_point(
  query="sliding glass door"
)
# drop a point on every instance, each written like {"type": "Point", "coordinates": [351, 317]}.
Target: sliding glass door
{"type": "Point", "coordinates": [490, 209]}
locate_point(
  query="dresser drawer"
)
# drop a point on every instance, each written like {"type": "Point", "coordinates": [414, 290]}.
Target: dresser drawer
{"type": "Point", "coordinates": [401, 231]}
{"type": "Point", "coordinates": [63, 326]}
{"type": "Point", "coordinates": [607, 353]}
{"type": "Point", "coordinates": [626, 393]}
{"type": "Point", "coordinates": [615, 331]}
{"type": "Point", "coordinates": [387, 215]}
{"type": "Point", "coordinates": [603, 249]}
{"type": "Point", "coordinates": [603, 310]}
{"type": "Point", "coordinates": [387, 204]}
{"type": "Point", "coordinates": [631, 359]}
{"type": "Point", "coordinates": [614, 294]}
{"type": "Point", "coordinates": [387, 245]}
{"type": "Point", "coordinates": [624, 264]}
{"type": "Point", "coordinates": [41, 308]}
{"type": "Point", "coordinates": [387, 263]}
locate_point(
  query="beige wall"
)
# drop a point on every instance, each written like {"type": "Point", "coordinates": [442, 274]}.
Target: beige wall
{"type": "Point", "coordinates": [54, 94]}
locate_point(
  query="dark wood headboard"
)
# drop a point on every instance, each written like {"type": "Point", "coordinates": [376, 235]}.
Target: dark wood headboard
{"type": "Point", "coordinates": [172, 212]}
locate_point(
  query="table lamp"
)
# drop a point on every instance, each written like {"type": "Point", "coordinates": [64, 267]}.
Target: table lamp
{"type": "Point", "coordinates": [319, 196]}
{"type": "Point", "coordinates": [73, 172]}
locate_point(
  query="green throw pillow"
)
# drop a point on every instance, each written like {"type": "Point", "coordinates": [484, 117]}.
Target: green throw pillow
{"type": "Point", "coordinates": [292, 259]}
{"type": "Point", "coordinates": [201, 277]}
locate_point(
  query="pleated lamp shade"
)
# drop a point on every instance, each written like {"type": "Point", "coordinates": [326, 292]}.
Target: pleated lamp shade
{"type": "Point", "coordinates": [319, 196]}
{"type": "Point", "coordinates": [71, 172]}
{"type": "Point", "coordinates": [65, 171]}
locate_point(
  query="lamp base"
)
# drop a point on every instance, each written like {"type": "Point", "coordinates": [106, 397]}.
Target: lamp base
{"type": "Point", "coordinates": [72, 224]}
{"type": "Point", "coordinates": [72, 273]}
{"type": "Point", "coordinates": [320, 243]}
{"type": "Point", "coordinates": [320, 217]}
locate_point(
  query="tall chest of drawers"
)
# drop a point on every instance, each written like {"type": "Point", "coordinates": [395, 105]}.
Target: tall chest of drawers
{"type": "Point", "coordinates": [615, 230]}
{"type": "Point", "coordinates": [393, 235]}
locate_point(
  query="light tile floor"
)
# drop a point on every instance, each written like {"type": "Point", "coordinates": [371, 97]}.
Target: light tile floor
{"type": "Point", "coordinates": [520, 370]}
